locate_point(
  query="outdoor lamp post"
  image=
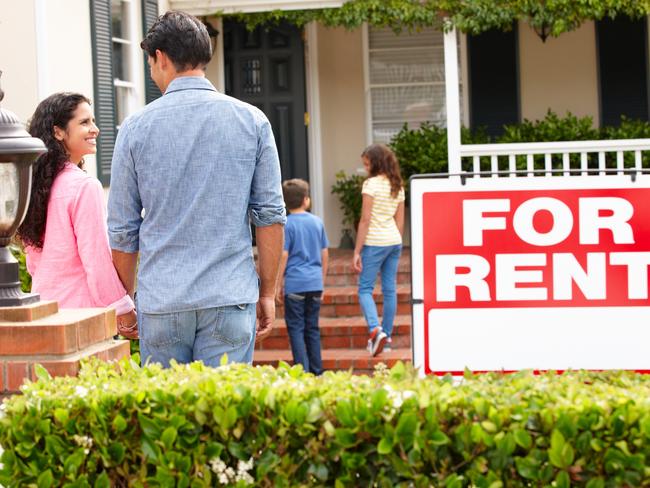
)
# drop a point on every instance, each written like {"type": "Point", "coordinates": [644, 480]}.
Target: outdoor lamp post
{"type": "Point", "coordinates": [18, 150]}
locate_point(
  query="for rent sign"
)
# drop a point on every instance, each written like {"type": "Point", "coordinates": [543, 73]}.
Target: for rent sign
{"type": "Point", "coordinates": [531, 273]}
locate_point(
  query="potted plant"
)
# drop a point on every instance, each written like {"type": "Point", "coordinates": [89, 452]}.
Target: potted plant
{"type": "Point", "coordinates": [348, 190]}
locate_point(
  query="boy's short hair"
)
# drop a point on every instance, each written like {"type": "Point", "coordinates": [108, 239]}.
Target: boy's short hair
{"type": "Point", "coordinates": [294, 192]}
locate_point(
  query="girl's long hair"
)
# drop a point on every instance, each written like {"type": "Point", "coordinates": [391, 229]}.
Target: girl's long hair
{"type": "Point", "coordinates": [384, 162]}
{"type": "Point", "coordinates": [56, 110]}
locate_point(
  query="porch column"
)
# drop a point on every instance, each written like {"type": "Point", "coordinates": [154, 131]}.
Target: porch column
{"type": "Point", "coordinates": [452, 94]}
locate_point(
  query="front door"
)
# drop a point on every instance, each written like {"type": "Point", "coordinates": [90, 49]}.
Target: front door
{"type": "Point", "coordinates": [266, 68]}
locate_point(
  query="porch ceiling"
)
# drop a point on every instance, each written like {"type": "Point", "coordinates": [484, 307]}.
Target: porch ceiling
{"type": "Point", "coordinates": [209, 7]}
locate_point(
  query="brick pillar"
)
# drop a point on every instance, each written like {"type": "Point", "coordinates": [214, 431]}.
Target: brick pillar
{"type": "Point", "coordinates": [57, 339]}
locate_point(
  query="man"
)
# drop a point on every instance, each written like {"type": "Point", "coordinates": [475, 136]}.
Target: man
{"type": "Point", "coordinates": [189, 172]}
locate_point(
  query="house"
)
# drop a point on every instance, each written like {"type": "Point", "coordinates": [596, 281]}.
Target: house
{"type": "Point", "coordinates": [328, 91]}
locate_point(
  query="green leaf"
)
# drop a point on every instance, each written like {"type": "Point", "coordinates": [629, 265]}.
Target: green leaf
{"type": "Point", "coordinates": [168, 437]}
{"type": "Point", "coordinates": [73, 462]}
{"type": "Point", "coordinates": [119, 424]}
{"type": "Point", "coordinates": [41, 373]}
{"type": "Point", "coordinates": [595, 483]}
{"type": "Point", "coordinates": [45, 479]}
{"type": "Point", "coordinates": [439, 438]}
{"type": "Point", "coordinates": [527, 468]}
{"type": "Point", "coordinates": [385, 446]}
{"type": "Point", "coordinates": [523, 439]}
{"type": "Point", "coordinates": [102, 481]}
{"type": "Point", "coordinates": [406, 426]}
{"type": "Point", "coordinates": [561, 453]}
{"type": "Point", "coordinates": [562, 480]}
{"type": "Point", "coordinates": [117, 452]}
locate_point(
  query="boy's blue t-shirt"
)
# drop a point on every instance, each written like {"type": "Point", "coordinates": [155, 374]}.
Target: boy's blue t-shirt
{"type": "Point", "coordinates": [304, 239]}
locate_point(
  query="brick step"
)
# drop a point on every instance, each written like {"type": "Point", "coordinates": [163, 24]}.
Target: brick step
{"type": "Point", "coordinates": [343, 301]}
{"type": "Point", "coordinates": [340, 333]}
{"type": "Point", "coordinates": [349, 310]}
{"type": "Point", "coordinates": [339, 359]}
{"type": "Point", "coordinates": [351, 279]}
{"type": "Point", "coordinates": [349, 294]}
{"type": "Point", "coordinates": [341, 261]}
{"type": "Point", "coordinates": [15, 369]}
{"type": "Point", "coordinates": [65, 332]}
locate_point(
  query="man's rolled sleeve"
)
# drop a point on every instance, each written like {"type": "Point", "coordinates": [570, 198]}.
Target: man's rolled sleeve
{"type": "Point", "coordinates": [266, 205]}
{"type": "Point", "coordinates": [124, 204]}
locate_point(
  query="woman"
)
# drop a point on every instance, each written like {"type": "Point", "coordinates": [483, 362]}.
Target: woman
{"type": "Point", "coordinates": [64, 231]}
{"type": "Point", "coordinates": [379, 241]}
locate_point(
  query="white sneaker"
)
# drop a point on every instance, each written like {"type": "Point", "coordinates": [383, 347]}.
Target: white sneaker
{"type": "Point", "coordinates": [378, 342]}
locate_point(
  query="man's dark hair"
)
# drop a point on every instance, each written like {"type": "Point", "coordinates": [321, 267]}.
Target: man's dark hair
{"type": "Point", "coordinates": [294, 192]}
{"type": "Point", "coordinates": [182, 37]}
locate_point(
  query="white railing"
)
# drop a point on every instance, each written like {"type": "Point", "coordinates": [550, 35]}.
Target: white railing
{"type": "Point", "coordinates": [571, 157]}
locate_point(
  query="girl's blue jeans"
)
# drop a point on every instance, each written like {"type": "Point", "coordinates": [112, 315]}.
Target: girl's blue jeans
{"type": "Point", "coordinates": [383, 260]}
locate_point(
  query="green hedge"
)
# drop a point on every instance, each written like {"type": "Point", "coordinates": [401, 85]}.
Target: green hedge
{"type": "Point", "coordinates": [196, 426]}
{"type": "Point", "coordinates": [424, 150]}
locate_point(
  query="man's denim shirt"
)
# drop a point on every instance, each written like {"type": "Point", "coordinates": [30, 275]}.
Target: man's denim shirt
{"type": "Point", "coordinates": [200, 164]}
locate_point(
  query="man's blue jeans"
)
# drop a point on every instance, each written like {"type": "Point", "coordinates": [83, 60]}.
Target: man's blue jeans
{"type": "Point", "coordinates": [199, 335]}
{"type": "Point", "coordinates": [301, 312]}
{"type": "Point", "coordinates": [384, 260]}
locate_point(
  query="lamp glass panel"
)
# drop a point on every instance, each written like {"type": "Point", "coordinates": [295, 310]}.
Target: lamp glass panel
{"type": "Point", "coordinates": [9, 194]}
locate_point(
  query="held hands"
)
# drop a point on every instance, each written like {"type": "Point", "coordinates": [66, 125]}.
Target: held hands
{"type": "Point", "coordinates": [356, 262]}
{"type": "Point", "coordinates": [127, 325]}
{"type": "Point", "coordinates": [265, 317]}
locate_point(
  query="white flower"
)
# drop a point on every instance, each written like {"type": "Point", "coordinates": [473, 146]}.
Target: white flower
{"type": "Point", "coordinates": [245, 477]}
{"type": "Point", "coordinates": [245, 465]}
{"type": "Point", "coordinates": [81, 391]}
{"type": "Point", "coordinates": [83, 441]}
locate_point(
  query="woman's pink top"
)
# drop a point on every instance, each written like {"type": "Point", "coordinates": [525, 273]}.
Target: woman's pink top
{"type": "Point", "coordinates": [75, 267]}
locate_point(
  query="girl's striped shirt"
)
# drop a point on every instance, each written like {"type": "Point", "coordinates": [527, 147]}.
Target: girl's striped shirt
{"type": "Point", "coordinates": [383, 230]}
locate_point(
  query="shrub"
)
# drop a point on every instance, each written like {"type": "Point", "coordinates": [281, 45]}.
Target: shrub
{"type": "Point", "coordinates": [424, 150]}
{"type": "Point", "coordinates": [196, 426]}
{"type": "Point", "coordinates": [25, 277]}
{"type": "Point", "coordinates": [348, 189]}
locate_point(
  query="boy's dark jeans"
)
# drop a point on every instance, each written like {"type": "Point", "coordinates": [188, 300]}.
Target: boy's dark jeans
{"type": "Point", "coordinates": [301, 312]}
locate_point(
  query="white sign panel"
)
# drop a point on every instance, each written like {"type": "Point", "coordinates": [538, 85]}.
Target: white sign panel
{"type": "Point", "coordinates": [543, 273]}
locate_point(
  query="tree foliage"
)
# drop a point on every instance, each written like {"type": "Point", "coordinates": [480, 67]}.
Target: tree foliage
{"type": "Point", "coordinates": [470, 16]}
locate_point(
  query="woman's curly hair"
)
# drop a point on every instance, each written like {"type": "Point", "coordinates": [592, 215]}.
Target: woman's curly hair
{"type": "Point", "coordinates": [55, 111]}
{"type": "Point", "coordinates": [384, 162]}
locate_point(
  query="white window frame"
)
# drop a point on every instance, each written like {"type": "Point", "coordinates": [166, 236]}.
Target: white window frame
{"type": "Point", "coordinates": [464, 75]}
{"type": "Point", "coordinates": [135, 84]}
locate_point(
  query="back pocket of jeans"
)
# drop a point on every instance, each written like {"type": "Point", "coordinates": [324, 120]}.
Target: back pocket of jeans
{"type": "Point", "coordinates": [159, 330]}
{"type": "Point", "coordinates": [234, 324]}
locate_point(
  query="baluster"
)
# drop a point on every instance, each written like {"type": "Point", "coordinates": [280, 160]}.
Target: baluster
{"type": "Point", "coordinates": [476, 165]}
{"type": "Point", "coordinates": [494, 163]}
{"type": "Point", "coordinates": [548, 166]}
{"type": "Point", "coordinates": [637, 160]}
{"type": "Point", "coordinates": [601, 162]}
{"type": "Point", "coordinates": [584, 164]}
{"type": "Point", "coordinates": [620, 164]}
{"type": "Point", "coordinates": [530, 164]}
{"type": "Point", "coordinates": [566, 164]}
{"type": "Point", "coordinates": [512, 163]}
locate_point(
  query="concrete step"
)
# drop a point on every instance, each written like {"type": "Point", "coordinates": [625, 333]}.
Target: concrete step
{"type": "Point", "coordinates": [340, 333]}
{"type": "Point", "coordinates": [339, 359]}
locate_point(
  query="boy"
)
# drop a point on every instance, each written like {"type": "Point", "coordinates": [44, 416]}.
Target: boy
{"type": "Point", "coordinates": [303, 267]}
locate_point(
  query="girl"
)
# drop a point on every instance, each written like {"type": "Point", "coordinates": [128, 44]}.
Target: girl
{"type": "Point", "coordinates": [64, 231]}
{"type": "Point", "coordinates": [379, 241]}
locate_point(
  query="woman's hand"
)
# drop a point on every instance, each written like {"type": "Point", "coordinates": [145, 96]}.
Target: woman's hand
{"type": "Point", "coordinates": [127, 325]}
{"type": "Point", "coordinates": [356, 262]}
